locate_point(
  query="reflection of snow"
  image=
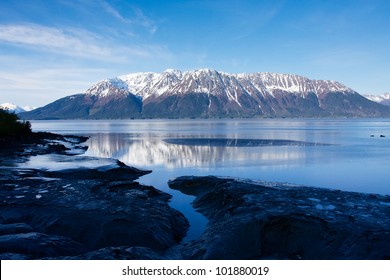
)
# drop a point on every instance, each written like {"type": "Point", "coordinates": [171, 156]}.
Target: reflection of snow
{"type": "Point", "coordinates": [156, 152]}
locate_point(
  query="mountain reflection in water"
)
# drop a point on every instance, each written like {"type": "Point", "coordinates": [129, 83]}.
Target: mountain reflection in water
{"type": "Point", "coordinates": [193, 152]}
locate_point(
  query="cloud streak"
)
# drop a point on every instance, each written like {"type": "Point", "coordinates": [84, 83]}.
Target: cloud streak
{"type": "Point", "coordinates": [52, 39]}
{"type": "Point", "coordinates": [139, 18]}
{"type": "Point", "coordinates": [74, 43]}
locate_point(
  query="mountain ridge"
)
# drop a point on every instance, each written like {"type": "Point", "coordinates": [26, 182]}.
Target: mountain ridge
{"type": "Point", "coordinates": [207, 93]}
{"type": "Point", "coordinates": [381, 99]}
{"type": "Point", "coordinates": [12, 108]}
{"type": "Point", "coordinates": [176, 81]}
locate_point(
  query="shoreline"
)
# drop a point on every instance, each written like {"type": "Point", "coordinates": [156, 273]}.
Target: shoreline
{"type": "Point", "coordinates": [96, 211]}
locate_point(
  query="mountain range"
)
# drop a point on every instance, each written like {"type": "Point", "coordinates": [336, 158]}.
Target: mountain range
{"type": "Point", "coordinates": [382, 99]}
{"type": "Point", "coordinates": [209, 93]}
{"type": "Point", "coordinates": [13, 108]}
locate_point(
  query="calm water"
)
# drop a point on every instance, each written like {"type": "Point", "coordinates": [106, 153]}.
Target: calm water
{"type": "Point", "coordinates": [341, 154]}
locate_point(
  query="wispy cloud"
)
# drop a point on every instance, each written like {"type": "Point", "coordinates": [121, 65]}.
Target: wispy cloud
{"type": "Point", "coordinates": [115, 13]}
{"type": "Point", "coordinates": [145, 21]}
{"type": "Point", "coordinates": [138, 17]}
{"type": "Point", "coordinates": [75, 43]}
{"type": "Point", "coordinates": [53, 39]}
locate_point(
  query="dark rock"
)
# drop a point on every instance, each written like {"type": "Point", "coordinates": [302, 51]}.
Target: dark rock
{"type": "Point", "coordinates": [39, 143]}
{"type": "Point", "coordinates": [249, 220]}
{"type": "Point", "coordinates": [14, 228]}
{"type": "Point", "coordinates": [38, 245]}
{"type": "Point", "coordinates": [13, 256]}
{"type": "Point", "coordinates": [120, 253]}
{"type": "Point", "coordinates": [116, 171]}
{"type": "Point", "coordinates": [92, 212]}
{"type": "Point", "coordinates": [56, 148]}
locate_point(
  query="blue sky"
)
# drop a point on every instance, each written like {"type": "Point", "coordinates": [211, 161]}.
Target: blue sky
{"type": "Point", "coordinates": [50, 49]}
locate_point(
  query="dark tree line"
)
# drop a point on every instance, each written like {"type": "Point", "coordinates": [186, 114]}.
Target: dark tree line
{"type": "Point", "coordinates": [11, 127]}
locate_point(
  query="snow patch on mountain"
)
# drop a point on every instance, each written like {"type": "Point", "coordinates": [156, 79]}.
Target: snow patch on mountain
{"type": "Point", "coordinates": [212, 82]}
{"type": "Point", "coordinates": [383, 99]}
{"type": "Point", "coordinates": [28, 108]}
{"type": "Point", "coordinates": [108, 87]}
{"type": "Point", "coordinates": [12, 108]}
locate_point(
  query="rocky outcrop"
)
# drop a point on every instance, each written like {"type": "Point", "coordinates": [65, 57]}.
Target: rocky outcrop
{"type": "Point", "coordinates": [252, 220]}
{"type": "Point", "coordinates": [91, 210]}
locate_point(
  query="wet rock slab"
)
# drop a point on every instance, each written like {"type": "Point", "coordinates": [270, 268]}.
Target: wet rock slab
{"type": "Point", "coordinates": [94, 210]}
{"type": "Point", "coordinates": [259, 220]}
{"type": "Point", "coordinates": [40, 143]}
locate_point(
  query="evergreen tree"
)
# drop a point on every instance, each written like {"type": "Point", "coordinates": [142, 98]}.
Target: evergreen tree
{"type": "Point", "coordinates": [12, 127]}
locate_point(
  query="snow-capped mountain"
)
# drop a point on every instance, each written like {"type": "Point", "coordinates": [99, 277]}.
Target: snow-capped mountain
{"type": "Point", "coordinates": [213, 82]}
{"type": "Point", "coordinates": [382, 99]}
{"type": "Point", "coordinates": [208, 93]}
{"type": "Point", "coordinates": [12, 108]}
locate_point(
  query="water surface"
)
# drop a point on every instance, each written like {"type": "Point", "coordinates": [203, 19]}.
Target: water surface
{"type": "Point", "coordinates": [346, 154]}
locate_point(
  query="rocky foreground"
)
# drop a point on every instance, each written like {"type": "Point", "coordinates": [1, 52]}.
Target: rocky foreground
{"type": "Point", "coordinates": [85, 212]}
{"type": "Point", "coordinates": [249, 220]}
{"type": "Point", "coordinates": [78, 207]}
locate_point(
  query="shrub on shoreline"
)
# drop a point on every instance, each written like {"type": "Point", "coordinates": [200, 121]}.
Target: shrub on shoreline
{"type": "Point", "coordinates": [11, 127]}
